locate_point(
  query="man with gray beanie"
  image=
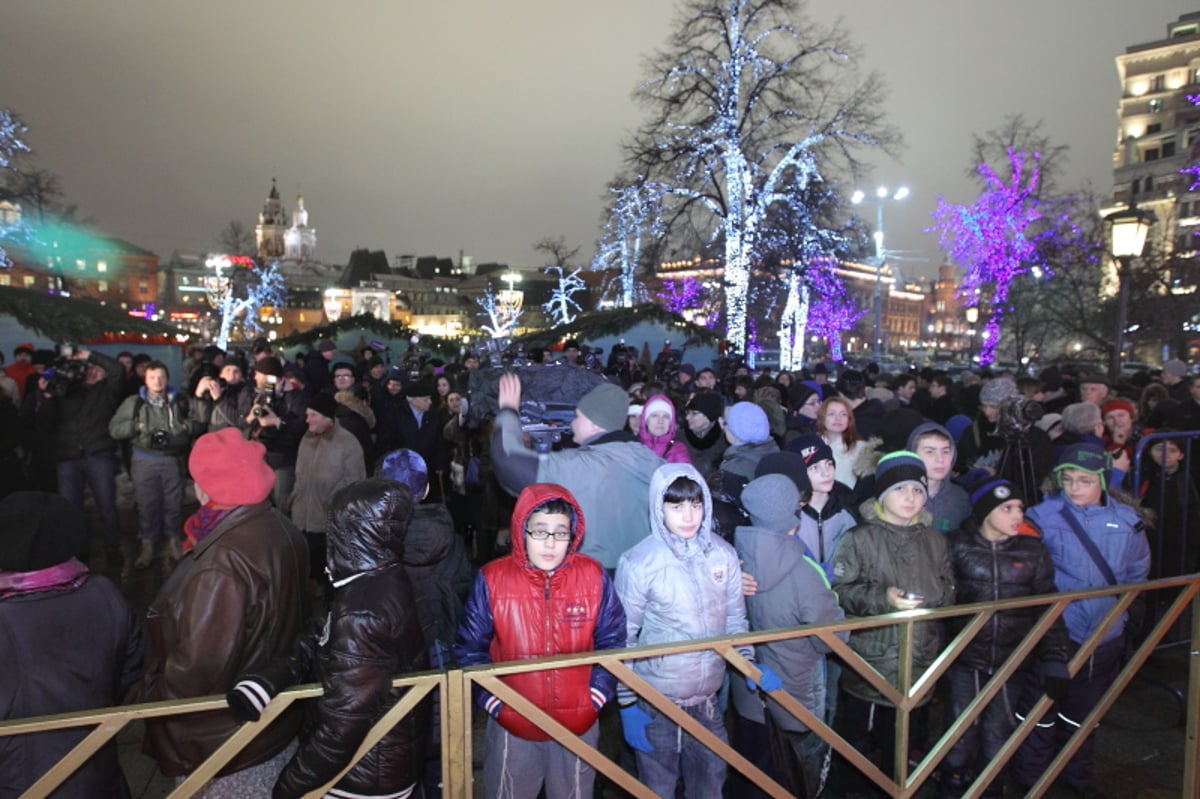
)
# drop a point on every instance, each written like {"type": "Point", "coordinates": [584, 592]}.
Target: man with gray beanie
{"type": "Point", "coordinates": [1023, 456]}
{"type": "Point", "coordinates": [608, 473]}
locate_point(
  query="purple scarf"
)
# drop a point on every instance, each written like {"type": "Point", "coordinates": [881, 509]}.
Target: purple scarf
{"type": "Point", "coordinates": [65, 576]}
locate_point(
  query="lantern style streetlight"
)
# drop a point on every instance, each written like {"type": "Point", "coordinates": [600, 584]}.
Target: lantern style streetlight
{"type": "Point", "coordinates": [1128, 230]}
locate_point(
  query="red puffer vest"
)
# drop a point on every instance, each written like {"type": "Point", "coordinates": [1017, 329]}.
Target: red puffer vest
{"type": "Point", "coordinates": [537, 614]}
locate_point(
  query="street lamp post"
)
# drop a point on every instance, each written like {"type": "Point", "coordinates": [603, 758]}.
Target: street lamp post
{"type": "Point", "coordinates": [1129, 228]}
{"type": "Point", "coordinates": [972, 314]}
{"type": "Point", "coordinates": [881, 194]}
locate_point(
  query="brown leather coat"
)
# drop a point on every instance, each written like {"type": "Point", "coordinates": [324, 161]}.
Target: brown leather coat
{"type": "Point", "coordinates": [233, 604]}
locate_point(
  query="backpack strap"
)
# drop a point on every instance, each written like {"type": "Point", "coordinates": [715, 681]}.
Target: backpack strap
{"type": "Point", "coordinates": [1089, 545]}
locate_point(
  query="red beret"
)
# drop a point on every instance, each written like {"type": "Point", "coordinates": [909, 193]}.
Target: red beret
{"type": "Point", "coordinates": [230, 469]}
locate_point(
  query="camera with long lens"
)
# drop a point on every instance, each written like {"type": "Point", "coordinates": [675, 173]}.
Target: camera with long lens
{"type": "Point", "coordinates": [1017, 415]}
{"type": "Point", "coordinates": [64, 375]}
{"type": "Point", "coordinates": [591, 357]}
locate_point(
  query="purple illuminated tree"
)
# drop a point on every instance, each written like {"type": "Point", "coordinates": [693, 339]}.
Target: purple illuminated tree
{"type": "Point", "coordinates": [995, 238]}
{"type": "Point", "coordinates": [686, 294]}
{"type": "Point", "coordinates": [831, 312]}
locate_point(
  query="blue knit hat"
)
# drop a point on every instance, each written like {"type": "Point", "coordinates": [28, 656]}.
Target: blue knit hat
{"type": "Point", "coordinates": [405, 466]}
{"type": "Point", "coordinates": [898, 468]}
{"type": "Point", "coordinates": [748, 423]}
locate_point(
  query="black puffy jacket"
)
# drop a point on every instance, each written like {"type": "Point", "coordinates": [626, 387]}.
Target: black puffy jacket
{"type": "Point", "coordinates": [985, 571]}
{"type": "Point", "coordinates": [370, 636]}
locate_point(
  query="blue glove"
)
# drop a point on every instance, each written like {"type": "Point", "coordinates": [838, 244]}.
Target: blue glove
{"type": "Point", "coordinates": [769, 680]}
{"type": "Point", "coordinates": [633, 723]}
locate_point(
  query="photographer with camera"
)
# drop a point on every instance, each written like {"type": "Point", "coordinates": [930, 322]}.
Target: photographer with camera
{"type": "Point", "coordinates": [222, 401]}
{"type": "Point", "coordinates": [1005, 442]}
{"type": "Point", "coordinates": [156, 422]}
{"type": "Point", "coordinates": [276, 419]}
{"type": "Point", "coordinates": [75, 399]}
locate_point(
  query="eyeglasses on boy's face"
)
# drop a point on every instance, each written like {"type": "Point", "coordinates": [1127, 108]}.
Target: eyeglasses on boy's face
{"type": "Point", "coordinates": [542, 535]}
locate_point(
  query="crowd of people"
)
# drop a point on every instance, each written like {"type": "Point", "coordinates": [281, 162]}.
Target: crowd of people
{"type": "Point", "coordinates": [354, 524]}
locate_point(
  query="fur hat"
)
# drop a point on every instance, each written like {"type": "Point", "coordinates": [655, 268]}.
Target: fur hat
{"type": "Point", "coordinates": [999, 389]}
{"type": "Point", "coordinates": [407, 467]}
{"type": "Point", "coordinates": [748, 423]}
{"type": "Point", "coordinates": [991, 495]}
{"type": "Point", "coordinates": [606, 406]}
{"type": "Point", "coordinates": [323, 404]}
{"type": "Point", "coordinates": [771, 501]}
{"type": "Point", "coordinates": [708, 403]}
{"type": "Point", "coordinates": [40, 530]}
{"type": "Point", "coordinates": [899, 468]}
{"type": "Point", "coordinates": [230, 469]}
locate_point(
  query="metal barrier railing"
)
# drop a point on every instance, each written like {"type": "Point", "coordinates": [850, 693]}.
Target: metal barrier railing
{"type": "Point", "coordinates": [1167, 557]}
{"type": "Point", "coordinates": [457, 709]}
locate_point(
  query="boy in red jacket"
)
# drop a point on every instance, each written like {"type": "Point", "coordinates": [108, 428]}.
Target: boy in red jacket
{"type": "Point", "coordinates": [544, 599]}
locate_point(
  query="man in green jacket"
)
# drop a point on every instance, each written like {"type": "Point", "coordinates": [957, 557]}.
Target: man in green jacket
{"type": "Point", "coordinates": [157, 424]}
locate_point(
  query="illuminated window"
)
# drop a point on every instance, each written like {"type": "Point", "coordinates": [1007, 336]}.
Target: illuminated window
{"type": "Point", "coordinates": [5, 280]}
{"type": "Point", "coordinates": [29, 281]}
{"type": "Point", "coordinates": [143, 287]}
{"type": "Point", "coordinates": [1156, 107]}
{"type": "Point", "coordinates": [102, 285]}
{"type": "Point", "coordinates": [80, 264]}
{"type": "Point", "coordinates": [102, 266]}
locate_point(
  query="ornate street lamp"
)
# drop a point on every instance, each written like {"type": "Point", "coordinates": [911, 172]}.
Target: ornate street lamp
{"type": "Point", "coordinates": [1129, 228]}
{"type": "Point", "coordinates": [881, 195]}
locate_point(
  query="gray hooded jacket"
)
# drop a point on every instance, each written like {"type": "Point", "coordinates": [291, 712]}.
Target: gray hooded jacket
{"type": "Point", "coordinates": [677, 589]}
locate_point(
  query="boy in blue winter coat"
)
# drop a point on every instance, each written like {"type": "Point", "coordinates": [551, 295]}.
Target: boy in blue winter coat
{"type": "Point", "coordinates": [1094, 541]}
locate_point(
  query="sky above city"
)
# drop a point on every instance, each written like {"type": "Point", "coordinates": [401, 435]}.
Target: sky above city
{"type": "Point", "coordinates": [480, 127]}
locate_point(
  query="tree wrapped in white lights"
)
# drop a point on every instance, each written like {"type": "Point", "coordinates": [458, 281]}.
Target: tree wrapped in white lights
{"type": "Point", "coordinates": [11, 144]}
{"type": "Point", "coordinates": [560, 309]}
{"type": "Point", "coordinates": [634, 218]}
{"type": "Point", "coordinates": [238, 289]}
{"type": "Point", "coordinates": [502, 314]}
{"type": "Point", "coordinates": [746, 101]}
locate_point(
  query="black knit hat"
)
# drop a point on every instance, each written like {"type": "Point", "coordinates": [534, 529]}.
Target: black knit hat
{"type": "Point", "coordinates": [708, 403]}
{"type": "Point", "coordinates": [991, 495]}
{"type": "Point", "coordinates": [898, 468]}
{"type": "Point", "coordinates": [40, 530]}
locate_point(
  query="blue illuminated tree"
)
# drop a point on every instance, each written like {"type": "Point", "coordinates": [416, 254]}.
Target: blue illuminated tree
{"type": "Point", "coordinates": [745, 104]}
{"type": "Point", "coordinates": [995, 238]}
{"type": "Point", "coordinates": [239, 293]}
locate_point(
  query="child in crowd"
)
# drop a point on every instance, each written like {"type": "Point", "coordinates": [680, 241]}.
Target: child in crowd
{"type": "Point", "coordinates": [828, 514]}
{"type": "Point", "coordinates": [544, 598]}
{"type": "Point", "coordinates": [679, 583]}
{"type": "Point", "coordinates": [892, 561]}
{"type": "Point", "coordinates": [792, 590]}
{"type": "Point", "coordinates": [1166, 489]}
{"type": "Point", "coordinates": [996, 556]}
{"type": "Point", "coordinates": [1094, 541]}
{"type": "Point", "coordinates": [948, 505]}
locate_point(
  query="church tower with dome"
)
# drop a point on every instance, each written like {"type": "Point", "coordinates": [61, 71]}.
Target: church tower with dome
{"type": "Point", "coordinates": [271, 229]}
{"type": "Point", "coordinates": [300, 241]}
